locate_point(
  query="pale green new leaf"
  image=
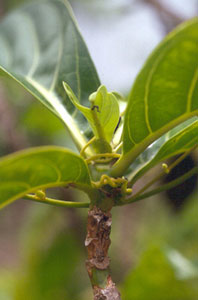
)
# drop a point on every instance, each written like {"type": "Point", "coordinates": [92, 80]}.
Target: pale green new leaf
{"type": "Point", "coordinates": [164, 94]}
{"type": "Point", "coordinates": [175, 145]}
{"type": "Point", "coordinates": [39, 168]}
{"type": "Point", "coordinates": [41, 46]}
{"type": "Point", "coordinates": [103, 114]}
{"type": "Point", "coordinates": [106, 108]}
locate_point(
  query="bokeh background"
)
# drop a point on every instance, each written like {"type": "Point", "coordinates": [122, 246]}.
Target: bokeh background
{"type": "Point", "coordinates": [154, 251]}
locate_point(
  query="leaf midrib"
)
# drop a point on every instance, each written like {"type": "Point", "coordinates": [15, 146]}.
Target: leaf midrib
{"type": "Point", "coordinates": [191, 90]}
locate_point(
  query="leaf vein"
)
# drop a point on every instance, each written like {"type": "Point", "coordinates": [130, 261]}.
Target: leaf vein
{"type": "Point", "coordinates": [58, 64]}
{"type": "Point", "coordinates": [130, 133]}
{"type": "Point", "coordinates": [36, 56]}
{"type": "Point", "coordinates": [191, 90]}
{"type": "Point", "coordinates": [147, 90]}
{"type": "Point", "coordinates": [77, 66]}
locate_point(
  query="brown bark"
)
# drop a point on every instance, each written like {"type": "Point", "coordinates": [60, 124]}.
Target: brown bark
{"type": "Point", "coordinates": [97, 243]}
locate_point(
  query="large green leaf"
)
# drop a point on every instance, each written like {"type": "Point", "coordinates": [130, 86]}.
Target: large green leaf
{"type": "Point", "coordinates": [172, 143]}
{"type": "Point", "coordinates": [165, 92]}
{"type": "Point", "coordinates": [28, 170]}
{"type": "Point", "coordinates": [40, 47]}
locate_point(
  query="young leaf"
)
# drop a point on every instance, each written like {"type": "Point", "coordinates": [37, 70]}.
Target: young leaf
{"type": "Point", "coordinates": [103, 115]}
{"type": "Point", "coordinates": [177, 144]}
{"type": "Point", "coordinates": [39, 168]}
{"type": "Point", "coordinates": [165, 92]}
{"type": "Point", "coordinates": [40, 46]}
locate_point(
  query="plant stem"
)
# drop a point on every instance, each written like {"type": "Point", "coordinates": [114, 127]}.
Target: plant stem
{"type": "Point", "coordinates": [97, 124]}
{"type": "Point", "coordinates": [97, 243]}
{"type": "Point", "coordinates": [57, 202]}
{"type": "Point", "coordinates": [164, 187]}
{"type": "Point", "coordinates": [121, 166]}
{"type": "Point", "coordinates": [169, 168]}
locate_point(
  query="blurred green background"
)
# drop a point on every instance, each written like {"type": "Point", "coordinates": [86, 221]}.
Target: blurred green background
{"type": "Point", "coordinates": [154, 251]}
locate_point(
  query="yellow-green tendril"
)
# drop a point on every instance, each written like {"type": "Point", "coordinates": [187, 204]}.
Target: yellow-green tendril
{"type": "Point", "coordinates": [40, 194]}
{"type": "Point", "coordinates": [87, 145]}
{"type": "Point", "coordinates": [166, 168]}
{"type": "Point", "coordinates": [114, 183]}
{"type": "Point", "coordinates": [98, 157]}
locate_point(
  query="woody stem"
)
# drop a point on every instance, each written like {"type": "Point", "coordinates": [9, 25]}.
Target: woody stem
{"type": "Point", "coordinates": [97, 243]}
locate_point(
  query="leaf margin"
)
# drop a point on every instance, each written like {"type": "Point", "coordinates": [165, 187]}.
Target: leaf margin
{"type": "Point", "coordinates": [86, 186]}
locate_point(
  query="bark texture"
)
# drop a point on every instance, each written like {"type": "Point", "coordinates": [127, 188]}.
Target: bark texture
{"type": "Point", "coordinates": [97, 243]}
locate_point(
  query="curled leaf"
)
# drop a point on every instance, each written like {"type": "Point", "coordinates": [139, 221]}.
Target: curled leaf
{"type": "Point", "coordinates": [103, 114]}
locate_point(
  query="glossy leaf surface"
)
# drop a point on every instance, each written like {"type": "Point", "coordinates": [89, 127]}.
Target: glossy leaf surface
{"type": "Point", "coordinates": [169, 145]}
{"type": "Point", "coordinates": [40, 46]}
{"type": "Point", "coordinates": [37, 168]}
{"type": "Point", "coordinates": [164, 94]}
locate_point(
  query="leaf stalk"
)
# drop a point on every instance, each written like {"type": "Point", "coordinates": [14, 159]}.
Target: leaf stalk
{"type": "Point", "coordinates": [162, 188]}
{"type": "Point", "coordinates": [56, 202]}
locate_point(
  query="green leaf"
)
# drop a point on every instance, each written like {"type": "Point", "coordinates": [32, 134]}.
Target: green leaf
{"type": "Point", "coordinates": [41, 46]}
{"type": "Point", "coordinates": [103, 115]}
{"type": "Point", "coordinates": [164, 94]}
{"type": "Point", "coordinates": [167, 146]}
{"type": "Point", "coordinates": [152, 278]}
{"type": "Point", "coordinates": [39, 168]}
